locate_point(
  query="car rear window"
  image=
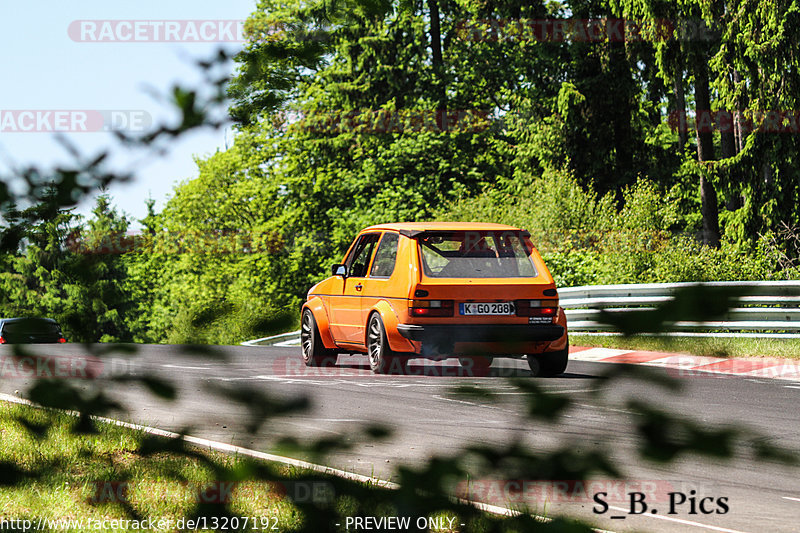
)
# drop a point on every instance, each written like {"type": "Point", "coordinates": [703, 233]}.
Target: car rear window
{"type": "Point", "coordinates": [476, 254]}
{"type": "Point", "coordinates": [31, 326]}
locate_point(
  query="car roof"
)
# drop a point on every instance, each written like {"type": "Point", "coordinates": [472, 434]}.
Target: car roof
{"type": "Point", "coordinates": [17, 319]}
{"type": "Point", "coordinates": [419, 227]}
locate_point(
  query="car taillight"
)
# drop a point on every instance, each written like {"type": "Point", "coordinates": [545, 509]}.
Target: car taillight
{"type": "Point", "coordinates": [2, 340]}
{"type": "Point", "coordinates": [430, 307]}
{"type": "Point", "coordinates": [537, 307]}
{"type": "Point", "coordinates": [62, 340]}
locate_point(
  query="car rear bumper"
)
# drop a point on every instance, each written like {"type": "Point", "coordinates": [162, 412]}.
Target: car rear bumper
{"type": "Point", "coordinates": [445, 333]}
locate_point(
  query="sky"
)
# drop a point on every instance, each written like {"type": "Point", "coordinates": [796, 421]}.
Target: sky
{"type": "Point", "coordinates": [81, 67]}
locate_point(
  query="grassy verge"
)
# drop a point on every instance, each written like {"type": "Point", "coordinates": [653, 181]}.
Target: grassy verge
{"type": "Point", "coordinates": [711, 346]}
{"type": "Point", "coordinates": [50, 472]}
{"type": "Point", "coordinates": [105, 476]}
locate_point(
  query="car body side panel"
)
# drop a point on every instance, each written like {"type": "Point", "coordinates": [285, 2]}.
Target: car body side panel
{"type": "Point", "coordinates": [347, 323]}
{"type": "Point", "coordinates": [329, 291]}
{"type": "Point", "coordinates": [346, 312]}
{"type": "Point", "coordinates": [561, 343]}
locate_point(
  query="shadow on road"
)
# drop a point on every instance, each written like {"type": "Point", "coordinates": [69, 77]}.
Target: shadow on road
{"type": "Point", "coordinates": [432, 369]}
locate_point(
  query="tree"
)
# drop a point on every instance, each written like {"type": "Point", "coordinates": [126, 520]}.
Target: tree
{"type": "Point", "coordinates": [70, 273]}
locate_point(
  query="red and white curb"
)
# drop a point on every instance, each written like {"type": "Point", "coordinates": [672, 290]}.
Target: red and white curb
{"type": "Point", "coordinates": [694, 365]}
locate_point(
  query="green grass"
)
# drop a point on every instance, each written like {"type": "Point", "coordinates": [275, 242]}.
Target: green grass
{"type": "Point", "coordinates": [62, 470]}
{"type": "Point", "coordinates": [710, 346]}
{"type": "Point", "coordinates": [49, 471]}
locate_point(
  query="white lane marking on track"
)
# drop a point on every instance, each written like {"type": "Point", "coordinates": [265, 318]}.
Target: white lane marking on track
{"type": "Point", "coordinates": [567, 391]}
{"type": "Point", "coordinates": [596, 354]}
{"type": "Point", "coordinates": [793, 499]}
{"type": "Point", "coordinates": [312, 425]}
{"type": "Point", "coordinates": [549, 391]}
{"type": "Point", "coordinates": [183, 367]}
{"type": "Point", "coordinates": [321, 380]}
{"type": "Point", "coordinates": [385, 383]}
{"type": "Point", "coordinates": [606, 408]}
{"type": "Point", "coordinates": [680, 521]}
{"type": "Point", "coordinates": [473, 404]}
{"type": "Point", "coordinates": [791, 387]}
{"type": "Point", "coordinates": [328, 381]}
{"type": "Point", "coordinates": [694, 362]}
{"type": "Point", "coordinates": [335, 419]}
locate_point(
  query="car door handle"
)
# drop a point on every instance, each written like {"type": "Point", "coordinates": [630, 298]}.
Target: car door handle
{"type": "Point", "coordinates": [359, 287]}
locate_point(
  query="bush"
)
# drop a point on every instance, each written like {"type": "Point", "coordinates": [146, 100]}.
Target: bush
{"type": "Point", "coordinates": [587, 241]}
{"type": "Point", "coordinates": [574, 268]}
{"type": "Point", "coordinates": [558, 212]}
{"type": "Point", "coordinates": [227, 323]}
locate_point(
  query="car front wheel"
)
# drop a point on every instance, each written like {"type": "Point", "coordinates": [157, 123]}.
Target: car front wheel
{"type": "Point", "coordinates": [314, 352]}
{"type": "Point", "coordinates": [549, 364]}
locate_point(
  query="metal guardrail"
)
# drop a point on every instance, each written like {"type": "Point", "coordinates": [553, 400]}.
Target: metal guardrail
{"type": "Point", "coordinates": [284, 339]}
{"type": "Point", "coordinates": [766, 309]}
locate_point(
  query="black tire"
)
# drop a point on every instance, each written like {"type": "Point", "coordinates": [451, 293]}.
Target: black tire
{"type": "Point", "coordinates": [477, 365]}
{"type": "Point", "coordinates": [382, 360]}
{"type": "Point", "coordinates": [314, 352]}
{"type": "Point", "coordinates": [549, 364]}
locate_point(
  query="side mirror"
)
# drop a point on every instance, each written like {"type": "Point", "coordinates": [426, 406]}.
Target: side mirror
{"type": "Point", "coordinates": [339, 270]}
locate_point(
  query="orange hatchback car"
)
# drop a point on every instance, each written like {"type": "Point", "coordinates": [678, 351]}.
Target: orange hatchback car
{"type": "Point", "coordinates": [437, 290]}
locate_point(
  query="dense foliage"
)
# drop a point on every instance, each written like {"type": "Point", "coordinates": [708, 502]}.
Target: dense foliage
{"type": "Point", "coordinates": [660, 150]}
{"type": "Point", "coordinates": [343, 121]}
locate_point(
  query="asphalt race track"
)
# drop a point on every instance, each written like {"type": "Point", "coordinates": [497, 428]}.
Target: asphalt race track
{"type": "Point", "coordinates": [426, 419]}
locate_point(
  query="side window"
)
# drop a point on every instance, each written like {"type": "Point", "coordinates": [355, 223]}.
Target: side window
{"type": "Point", "coordinates": [358, 261]}
{"type": "Point", "coordinates": [385, 257]}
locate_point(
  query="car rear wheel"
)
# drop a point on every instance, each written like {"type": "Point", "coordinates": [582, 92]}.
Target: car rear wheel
{"type": "Point", "coordinates": [549, 364]}
{"type": "Point", "coordinates": [476, 365]}
{"type": "Point", "coordinates": [382, 359]}
{"type": "Point", "coordinates": [314, 352]}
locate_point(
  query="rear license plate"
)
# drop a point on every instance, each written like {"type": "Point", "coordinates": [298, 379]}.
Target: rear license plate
{"type": "Point", "coordinates": [487, 308]}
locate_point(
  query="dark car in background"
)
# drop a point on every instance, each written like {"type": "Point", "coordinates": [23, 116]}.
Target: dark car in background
{"type": "Point", "coordinates": [30, 331]}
